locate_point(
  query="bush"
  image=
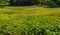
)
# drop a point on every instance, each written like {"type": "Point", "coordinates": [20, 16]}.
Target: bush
{"type": "Point", "coordinates": [4, 2]}
{"type": "Point", "coordinates": [23, 2]}
{"type": "Point", "coordinates": [50, 5]}
{"type": "Point", "coordinates": [56, 2]}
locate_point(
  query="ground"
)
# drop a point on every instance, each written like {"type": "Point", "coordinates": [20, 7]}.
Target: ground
{"type": "Point", "coordinates": [29, 20]}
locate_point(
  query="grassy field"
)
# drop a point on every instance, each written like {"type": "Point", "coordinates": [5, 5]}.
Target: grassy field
{"type": "Point", "coordinates": [29, 20]}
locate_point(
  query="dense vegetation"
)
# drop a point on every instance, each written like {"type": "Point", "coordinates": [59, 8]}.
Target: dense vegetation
{"type": "Point", "coordinates": [30, 2]}
{"type": "Point", "coordinates": [31, 20]}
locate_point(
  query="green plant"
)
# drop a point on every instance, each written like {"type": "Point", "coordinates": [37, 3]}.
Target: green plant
{"type": "Point", "coordinates": [4, 3]}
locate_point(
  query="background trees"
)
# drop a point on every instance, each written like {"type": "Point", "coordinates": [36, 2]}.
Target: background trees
{"type": "Point", "coordinates": [4, 3]}
{"type": "Point", "coordinates": [23, 2]}
{"type": "Point", "coordinates": [57, 2]}
{"type": "Point", "coordinates": [29, 2]}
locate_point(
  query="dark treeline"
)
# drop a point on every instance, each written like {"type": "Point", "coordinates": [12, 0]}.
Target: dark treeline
{"type": "Point", "coordinates": [47, 3]}
{"type": "Point", "coordinates": [23, 2]}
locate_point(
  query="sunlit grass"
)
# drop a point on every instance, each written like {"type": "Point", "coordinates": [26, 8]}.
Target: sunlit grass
{"type": "Point", "coordinates": [31, 10]}
{"type": "Point", "coordinates": [29, 20]}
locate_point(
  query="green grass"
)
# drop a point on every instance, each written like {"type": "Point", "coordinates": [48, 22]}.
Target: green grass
{"type": "Point", "coordinates": [29, 20]}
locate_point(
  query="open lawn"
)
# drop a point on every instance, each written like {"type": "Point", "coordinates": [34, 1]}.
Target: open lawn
{"type": "Point", "coordinates": [29, 20]}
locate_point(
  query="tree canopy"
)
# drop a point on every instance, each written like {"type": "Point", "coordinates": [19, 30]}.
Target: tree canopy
{"type": "Point", "coordinates": [4, 2]}
{"type": "Point", "coordinates": [27, 2]}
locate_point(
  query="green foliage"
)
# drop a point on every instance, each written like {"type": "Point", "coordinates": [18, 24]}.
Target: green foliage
{"type": "Point", "coordinates": [30, 25]}
{"type": "Point", "coordinates": [18, 21]}
{"type": "Point", "coordinates": [22, 2]}
{"type": "Point", "coordinates": [4, 2]}
{"type": "Point", "coordinates": [56, 2]}
{"type": "Point", "coordinates": [27, 2]}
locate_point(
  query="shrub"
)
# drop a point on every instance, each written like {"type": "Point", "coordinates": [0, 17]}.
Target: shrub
{"type": "Point", "coordinates": [4, 2]}
{"type": "Point", "coordinates": [23, 2]}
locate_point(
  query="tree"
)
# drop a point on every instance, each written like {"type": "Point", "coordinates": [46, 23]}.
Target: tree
{"type": "Point", "coordinates": [23, 2]}
{"type": "Point", "coordinates": [4, 2]}
{"type": "Point", "coordinates": [12, 2]}
{"type": "Point", "coordinates": [57, 2]}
